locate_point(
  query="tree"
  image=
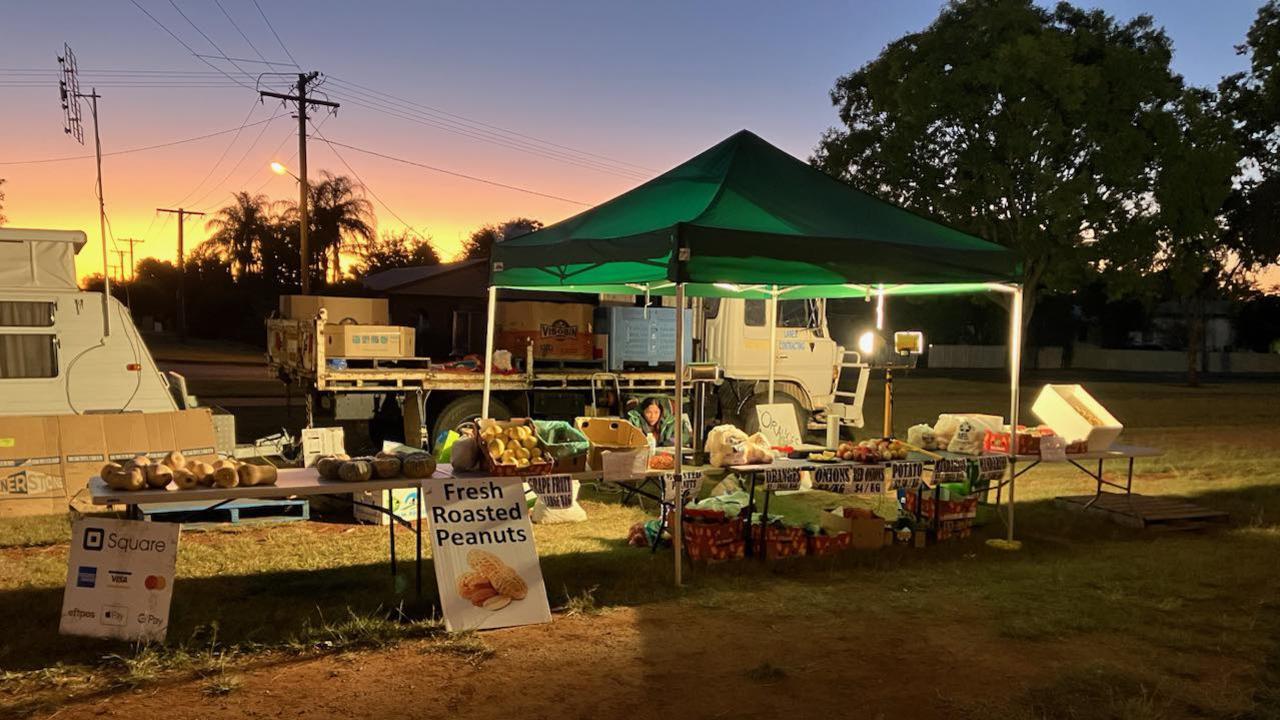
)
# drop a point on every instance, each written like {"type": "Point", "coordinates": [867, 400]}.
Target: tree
{"type": "Point", "coordinates": [339, 214]}
{"type": "Point", "coordinates": [480, 243]}
{"type": "Point", "coordinates": [239, 228]}
{"type": "Point", "coordinates": [394, 251]}
{"type": "Point", "coordinates": [1252, 99]}
{"type": "Point", "coordinates": [3, 219]}
{"type": "Point", "coordinates": [1025, 126]}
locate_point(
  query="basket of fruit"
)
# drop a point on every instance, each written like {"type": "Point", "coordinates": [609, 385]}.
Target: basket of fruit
{"type": "Point", "coordinates": [872, 452]}
{"type": "Point", "coordinates": [511, 447]}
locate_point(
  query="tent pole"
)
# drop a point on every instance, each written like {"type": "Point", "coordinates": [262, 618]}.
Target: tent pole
{"type": "Point", "coordinates": [677, 536]}
{"type": "Point", "coordinates": [1015, 373]}
{"type": "Point", "coordinates": [488, 351]}
{"type": "Point", "coordinates": [773, 337]}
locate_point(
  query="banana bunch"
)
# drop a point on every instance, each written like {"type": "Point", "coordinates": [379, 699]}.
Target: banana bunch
{"type": "Point", "coordinates": [512, 445]}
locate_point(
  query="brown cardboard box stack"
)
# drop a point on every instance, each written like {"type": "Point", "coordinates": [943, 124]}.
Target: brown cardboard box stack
{"type": "Point", "coordinates": [368, 341]}
{"type": "Point", "coordinates": [362, 311]}
{"type": "Point", "coordinates": [46, 461]}
{"type": "Point", "coordinates": [558, 331]}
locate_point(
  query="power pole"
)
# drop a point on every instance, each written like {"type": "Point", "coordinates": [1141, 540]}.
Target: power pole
{"type": "Point", "coordinates": [183, 214]}
{"type": "Point", "coordinates": [133, 269]}
{"type": "Point", "coordinates": [303, 189]}
{"type": "Point", "coordinates": [119, 265]}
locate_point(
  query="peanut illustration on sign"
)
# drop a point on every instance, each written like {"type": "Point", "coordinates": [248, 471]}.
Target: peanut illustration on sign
{"type": "Point", "coordinates": [491, 583]}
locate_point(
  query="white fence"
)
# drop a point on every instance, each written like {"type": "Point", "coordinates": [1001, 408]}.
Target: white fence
{"type": "Point", "coordinates": [1090, 357]}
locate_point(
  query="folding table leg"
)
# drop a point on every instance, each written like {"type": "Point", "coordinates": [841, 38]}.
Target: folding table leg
{"type": "Point", "coordinates": [391, 529]}
{"type": "Point", "coordinates": [751, 510]}
{"type": "Point", "coordinates": [418, 532]}
{"type": "Point", "coordinates": [764, 527]}
{"type": "Point", "coordinates": [1128, 486]}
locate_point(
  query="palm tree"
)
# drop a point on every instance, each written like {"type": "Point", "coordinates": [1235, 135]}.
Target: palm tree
{"type": "Point", "coordinates": [239, 228]}
{"type": "Point", "coordinates": [339, 211]}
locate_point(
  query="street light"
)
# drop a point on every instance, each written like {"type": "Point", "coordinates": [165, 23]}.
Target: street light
{"type": "Point", "coordinates": [304, 269]}
{"type": "Point", "coordinates": [280, 169]}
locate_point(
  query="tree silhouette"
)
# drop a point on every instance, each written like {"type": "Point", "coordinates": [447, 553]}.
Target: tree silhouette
{"type": "Point", "coordinates": [239, 228]}
{"type": "Point", "coordinates": [339, 214]}
{"type": "Point", "coordinates": [3, 219]}
{"type": "Point", "coordinates": [393, 250]}
{"type": "Point", "coordinates": [480, 243]}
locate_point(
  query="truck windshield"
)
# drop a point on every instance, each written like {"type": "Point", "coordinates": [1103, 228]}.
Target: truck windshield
{"type": "Point", "coordinates": [791, 313]}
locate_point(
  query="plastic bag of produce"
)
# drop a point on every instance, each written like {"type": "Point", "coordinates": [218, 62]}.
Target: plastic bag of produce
{"type": "Point", "coordinates": [564, 443]}
{"type": "Point", "coordinates": [727, 445]}
{"type": "Point", "coordinates": [949, 424]}
{"type": "Point", "coordinates": [757, 450]}
{"type": "Point", "coordinates": [922, 436]}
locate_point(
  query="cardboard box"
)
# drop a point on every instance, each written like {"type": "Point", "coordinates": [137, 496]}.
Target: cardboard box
{"type": "Point", "coordinates": [401, 501]}
{"type": "Point", "coordinates": [611, 434]}
{"type": "Point", "coordinates": [364, 311]}
{"type": "Point", "coordinates": [368, 341]}
{"type": "Point", "coordinates": [30, 466]}
{"type": "Point", "coordinates": [46, 461]}
{"type": "Point", "coordinates": [558, 331]}
{"type": "Point", "coordinates": [864, 533]}
{"type": "Point", "coordinates": [1076, 416]}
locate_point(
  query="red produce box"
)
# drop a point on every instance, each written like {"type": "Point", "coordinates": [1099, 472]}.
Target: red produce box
{"type": "Point", "coordinates": [829, 544]}
{"type": "Point", "coordinates": [782, 541]}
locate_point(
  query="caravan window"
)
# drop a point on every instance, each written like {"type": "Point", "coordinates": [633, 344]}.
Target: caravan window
{"type": "Point", "coordinates": [26, 313]}
{"type": "Point", "coordinates": [28, 356]}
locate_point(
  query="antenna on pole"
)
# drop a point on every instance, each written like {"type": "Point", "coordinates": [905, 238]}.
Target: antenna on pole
{"type": "Point", "coordinates": [69, 90]}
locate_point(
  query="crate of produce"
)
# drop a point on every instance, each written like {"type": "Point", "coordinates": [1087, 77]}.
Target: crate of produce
{"type": "Point", "coordinates": [609, 435]}
{"type": "Point", "coordinates": [864, 529]}
{"type": "Point", "coordinates": [511, 447]}
{"type": "Point", "coordinates": [566, 445]}
{"type": "Point", "coordinates": [930, 507]}
{"type": "Point", "coordinates": [711, 539]}
{"type": "Point", "coordinates": [1028, 440]}
{"type": "Point", "coordinates": [1076, 416]}
{"type": "Point", "coordinates": [829, 544]}
{"type": "Point", "coordinates": [953, 530]}
{"type": "Point", "coordinates": [781, 541]}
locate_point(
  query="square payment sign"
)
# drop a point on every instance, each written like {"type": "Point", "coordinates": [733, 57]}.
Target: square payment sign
{"type": "Point", "coordinates": [119, 579]}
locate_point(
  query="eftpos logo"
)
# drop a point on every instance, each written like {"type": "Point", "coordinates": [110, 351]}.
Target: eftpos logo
{"type": "Point", "coordinates": [93, 539]}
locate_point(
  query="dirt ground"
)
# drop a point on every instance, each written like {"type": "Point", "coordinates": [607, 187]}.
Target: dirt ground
{"type": "Point", "coordinates": [668, 658]}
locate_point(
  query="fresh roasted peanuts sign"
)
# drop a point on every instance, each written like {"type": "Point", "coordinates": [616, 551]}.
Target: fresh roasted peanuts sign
{"type": "Point", "coordinates": [482, 546]}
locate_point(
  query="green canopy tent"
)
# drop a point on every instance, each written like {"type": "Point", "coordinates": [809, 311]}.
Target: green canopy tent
{"type": "Point", "coordinates": [745, 219]}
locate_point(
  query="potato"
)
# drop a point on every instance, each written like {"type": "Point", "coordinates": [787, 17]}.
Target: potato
{"type": "Point", "coordinates": [226, 477]}
{"type": "Point", "coordinates": [465, 455]}
{"type": "Point", "coordinates": [139, 461]}
{"type": "Point", "coordinates": [358, 470]}
{"type": "Point", "coordinates": [175, 460]}
{"type": "Point", "coordinates": [257, 474]}
{"type": "Point", "coordinates": [185, 479]}
{"type": "Point", "coordinates": [419, 465]}
{"type": "Point", "coordinates": [225, 462]}
{"type": "Point", "coordinates": [159, 476]}
{"type": "Point", "coordinates": [386, 467]}
{"type": "Point", "coordinates": [110, 468]}
{"type": "Point", "coordinates": [202, 471]}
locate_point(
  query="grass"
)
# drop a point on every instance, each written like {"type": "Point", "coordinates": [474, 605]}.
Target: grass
{"type": "Point", "coordinates": [1175, 624]}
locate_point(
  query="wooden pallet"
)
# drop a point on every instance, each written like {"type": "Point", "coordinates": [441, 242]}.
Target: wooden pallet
{"type": "Point", "coordinates": [1145, 512]}
{"type": "Point", "coordinates": [236, 512]}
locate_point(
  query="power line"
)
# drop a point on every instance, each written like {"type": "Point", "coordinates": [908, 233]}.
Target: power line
{"type": "Point", "coordinates": [490, 126]}
{"type": "Point", "coordinates": [235, 167]}
{"type": "Point", "coordinates": [464, 176]}
{"type": "Point", "coordinates": [489, 138]}
{"type": "Point", "coordinates": [366, 186]}
{"type": "Point", "coordinates": [252, 107]}
{"type": "Point", "coordinates": [231, 20]}
{"type": "Point", "coordinates": [209, 40]}
{"type": "Point", "coordinates": [185, 45]}
{"type": "Point", "coordinates": [136, 149]}
{"type": "Point", "coordinates": [276, 34]}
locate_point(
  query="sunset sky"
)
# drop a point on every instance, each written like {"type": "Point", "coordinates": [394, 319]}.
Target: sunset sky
{"type": "Point", "coordinates": [579, 100]}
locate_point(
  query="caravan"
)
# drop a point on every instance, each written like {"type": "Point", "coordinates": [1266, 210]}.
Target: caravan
{"type": "Point", "coordinates": [61, 351]}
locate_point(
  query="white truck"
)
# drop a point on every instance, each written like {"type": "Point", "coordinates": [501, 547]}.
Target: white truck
{"type": "Point", "coordinates": [732, 334]}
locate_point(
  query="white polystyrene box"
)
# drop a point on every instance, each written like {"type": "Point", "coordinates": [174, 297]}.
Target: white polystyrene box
{"type": "Point", "coordinates": [1053, 408]}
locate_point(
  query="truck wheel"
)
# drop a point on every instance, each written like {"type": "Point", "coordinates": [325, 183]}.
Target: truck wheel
{"type": "Point", "coordinates": [465, 408]}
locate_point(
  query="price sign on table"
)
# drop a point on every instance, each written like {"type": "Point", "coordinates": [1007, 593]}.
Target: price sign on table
{"type": "Point", "coordinates": [555, 491]}
{"type": "Point", "coordinates": [834, 479]}
{"type": "Point", "coordinates": [688, 483]}
{"type": "Point", "coordinates": [781, 479]}
{"type": "Point", "coordinates": [867, 480]}
{"type": "Point", "coordinates": [950, 470]}
{"type": "Point", "coordinates": [991, 468]}
{"type": "Point", "coordinates": [906, 475]}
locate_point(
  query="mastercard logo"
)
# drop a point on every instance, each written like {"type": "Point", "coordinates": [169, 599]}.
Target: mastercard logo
{"type": "Point", "coordinates": [154, 582]}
